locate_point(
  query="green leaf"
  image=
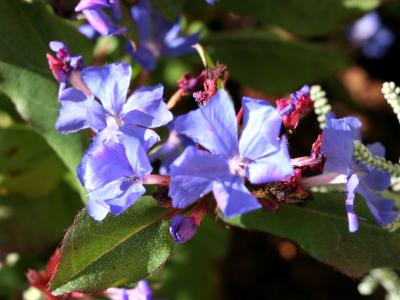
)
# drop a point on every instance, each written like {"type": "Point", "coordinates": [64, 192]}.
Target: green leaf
{"type": "Point", "coordinates": [27, 163]}
{"type": "Point", "coordinates": [117, 251]}
{"type": "Point", "coordinates": [31, 225]}
{"type": "Point", "coordinates": [192, 261]}
{"type": "Point", "coordinates": [25, 30]}
{"type": "Point", "coordinates": [262, 61]}
{"type": "Point", "coordinates": [306, 17]}
{"type": "Point", "coordinates": [321, 229]}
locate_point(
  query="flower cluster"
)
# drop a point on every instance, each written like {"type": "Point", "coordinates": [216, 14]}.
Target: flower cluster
{"type": "Point", "coordinates": [218, 157]}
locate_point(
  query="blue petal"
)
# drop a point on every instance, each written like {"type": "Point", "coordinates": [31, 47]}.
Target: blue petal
{"type": "Point", "coordinates": [192, 175]}
{"type": "Point", "coordinates": [146, 108]}
{"type": "Point", "coordinates": [78, 112]}
{"type": "Point", "coordinates": [102, 23]}
{"type": "Point", "coordinates": [104, 162]}
{"type": "Point", "coordinates": [170, 150]}
{"type": "Point", "coordinates": [273, 167]}
{"type": "Point", "coordinates": [175, 45]}
{"type": "Point", "coordinates": [109, 84]}
{"type": "Point", "coordinates": [142, 16]}
{"type": "Point", "coordinates": [119, 204]}
{"type": "Point", "coordinates": [136, 155]}
{"type": "Point", "coordinates": [56, 45]}
{"type": "Point", "coordinates": [98, 210]}
{"type": "Point", "coordinates": [213, 125]}
{"type": "Point", "coordinates": [262, 125]}
{"type": "Point", "coordinates": [374, 178]}
{"type": "Point", "coordinates": [147, 137]}
{"type": "Point", "coordinates": [88, 31]}
{"type": "Point", "coordinates": [232, 197]}
{"type": "Point", "coordinates": [350, 188]}
{"type": "Point", "coordinates": [144, 57]}
{"type": "Point", "coordinates": [381, 208]}
{"type": "Point", "coordinates": [338, 143]}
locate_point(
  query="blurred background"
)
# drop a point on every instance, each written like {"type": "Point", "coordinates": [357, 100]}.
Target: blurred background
{"type": "Point", "coordinates": [271, 48]}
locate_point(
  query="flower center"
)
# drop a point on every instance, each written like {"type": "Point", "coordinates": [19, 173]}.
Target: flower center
{"type": "Point", "coordinates": [237, 166]}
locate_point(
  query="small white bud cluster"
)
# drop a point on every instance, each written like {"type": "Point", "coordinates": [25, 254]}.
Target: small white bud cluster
{"type": "Point", "coordinates": [391, 92]}
{"type": "Point", "coordinates": [321, 105]}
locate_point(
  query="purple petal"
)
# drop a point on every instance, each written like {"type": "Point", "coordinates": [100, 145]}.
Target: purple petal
{"type": "Point", "coordinates": [273, 167]}
{"type": "Point", "coordinates": [262, 124]}
{"type": "Point", "coordinates": [192, 175]}
{"type": "Point", "coordinates": [144, 57]}
{"type": "Point", "coordinates": [87, 4]}
{"type": "Point", "coordinates": [146, 108]}
{"type": "Point", "coordinates": [381, 208]}
{"type": "Point", "coordinates": [109, 84]}
{"type": "Point", "coordinates": [78, 112]}
{"type": "Point", "coordinates": [213, 125]}
{"type": "Point", "coordinates": [232, 196]}
{"type": "Point", "coordinates": [338, 143]}
{"type": "Point", "coordinates": [351, 186]}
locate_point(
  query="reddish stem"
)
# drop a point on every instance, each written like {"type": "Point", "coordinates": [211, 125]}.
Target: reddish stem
{"type": "Point", "coordinates": [239, 115]}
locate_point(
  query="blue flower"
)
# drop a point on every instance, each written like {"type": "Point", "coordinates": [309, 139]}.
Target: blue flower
{"type": "Point", "coordinates": [157, 36]}
{"type": "Point", "coordinates": [98, 19]}
{"type": "Point", "coordinates": [183, 229]}
{"type": "Point", "coordinates": [338, 145]}
{"type": "Point", "coordinates": [113, 171]}
{"type": "Point", "coordinates": [374, 38]}
{"type": "Point", "coordinates": [259, 155]}
{"type": "Point", "coordinates": [141, 292]}
{"type": "Point", "coordinates": [107, 105]}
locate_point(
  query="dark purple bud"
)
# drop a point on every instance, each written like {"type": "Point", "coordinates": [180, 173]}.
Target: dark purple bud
{"type": "Point", "coordinates": [183, 228]}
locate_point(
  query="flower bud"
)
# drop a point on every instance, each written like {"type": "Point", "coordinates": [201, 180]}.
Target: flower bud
{"type": "Point", "coordinates": [183, 228]}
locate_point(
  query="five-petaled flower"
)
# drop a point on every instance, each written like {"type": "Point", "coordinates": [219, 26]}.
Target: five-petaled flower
{"type": "Point", "coordinates": [338, 145]}
{"type": "Point", "coordinates": [157, 36]}
{"type": "Point", "coordinates": [259, 155]}
{"type": "Point", "coordinates": [107, 105]}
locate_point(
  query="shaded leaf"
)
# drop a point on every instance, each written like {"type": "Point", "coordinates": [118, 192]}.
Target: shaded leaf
{"type": "Point", "coordinates": [321, 229]}
{"type": "Point", "coordinates": [32, 225]}
{"type": "Point", "coordinates": [308, 17]}
{"type": "Point", "coordinates": [25, 30]}
{"type": "Point", "coordinates": [29, 166]}
{"type": "Point", "coordinates": [271, 65]}
{"type": "Point", "coordinates": [117, 251]}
